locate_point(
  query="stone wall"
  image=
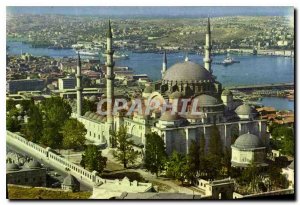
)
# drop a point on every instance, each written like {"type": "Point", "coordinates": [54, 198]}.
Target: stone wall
{"type": "Point", "coordinates": [45, 154]}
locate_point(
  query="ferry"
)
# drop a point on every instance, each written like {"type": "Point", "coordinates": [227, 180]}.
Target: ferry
{"type": "Point", "coordinates": [229, 61]}
{"type": "Point", "coordinates": [96, 54]}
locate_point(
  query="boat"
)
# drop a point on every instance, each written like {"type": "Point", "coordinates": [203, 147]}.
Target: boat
{"type": "Point", "coordinates": [96, 53]}
{"type": "Point", "coordinates": [229, 61]}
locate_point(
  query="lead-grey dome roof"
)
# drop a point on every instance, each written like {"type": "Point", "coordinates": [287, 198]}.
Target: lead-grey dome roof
{"type": "Point", "coordinates": [206, 100]}
{"type": "Point", "coordinates": [187, 71]}
{"type": "Point", "coordinates": [248, 141]}
{"type": "Point", "coordinates": [33, 164]}
{"type": "Point", "coordinates": [70, 180]}
{"type": "Point", "coordinates": [244, 110]}
{"type": "Point", "coordinates": [175, 95]}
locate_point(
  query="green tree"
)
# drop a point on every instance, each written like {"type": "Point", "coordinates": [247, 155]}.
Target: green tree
{"type": "Point", "coordinates": [193, 160]}
{"type": "Point", "coordinates": [124, 152]}
{"type": "Point", "coordinates": [155, 154]}
{"type": "Point", "coordinates": [56, 111]}
{"type": "Point", "coordinates": [202, 154]}
{"type": "Point", "coordinates": [88, 106]}
{"type": "Point", "coordinates": [12, 124]}
{"type": "Point", "coordinates": [51, 136]}
{"type": "Point", "coordinates": [251, 176]}
{"type": "Point", "coordinates": [177, 167]}
{"type": "Point", "coordinates": [33, 130]}
{"type": "Point", "coordinates": [73, 133]}
{"type": "Point", "coordinates": [92, 159]}
{"type": "Point", "coordinates": [215, 144]}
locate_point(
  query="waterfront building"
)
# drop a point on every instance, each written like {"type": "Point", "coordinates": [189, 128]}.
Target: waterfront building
{"type": "Point", "coordinates": [184, 80]}
{"type": "Point", "coordinates": [13, 86]}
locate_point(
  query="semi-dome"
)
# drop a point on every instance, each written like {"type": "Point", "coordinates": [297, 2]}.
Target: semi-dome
{"type": "Point", "coordinates": [248, 141]}
{"type": "Point", "coordinates": [226, 92]}
{"type": "Point", "coordinates": [148, 89]}
{"type": "Point", "coordinates": [175, 95]}
{"type": "Point", "coordinates": [12, 167]}
{"type": "Point", "coordinates": [70, 180]}
{"type": "Point", "coordinates": [33, 164]}
{"type": "Point", "coordinates": [244, 110]}
{"type": "Point", "coordinates": [169, 116]}
{"type": "Point", "coordinates": [206, 100]}
{"type": "Point", "coordinates": [187, 71]}
{"type": "Point", "coordinates": [93, 98]}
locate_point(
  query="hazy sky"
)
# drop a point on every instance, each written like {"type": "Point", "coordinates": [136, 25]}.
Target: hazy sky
{"type": "Point", "coordinates": [157, 11]}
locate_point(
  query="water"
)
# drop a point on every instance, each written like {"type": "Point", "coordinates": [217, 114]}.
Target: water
{"type": "Point", "coordinates": [251, 69]}
{"type": "Point", "coordinates": [278, 103]}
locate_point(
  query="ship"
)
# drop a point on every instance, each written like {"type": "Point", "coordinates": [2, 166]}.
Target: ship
{"type": "Point", "coordinates": [96, 54]}
{"type": "Point", "coordinates": [229, 61]}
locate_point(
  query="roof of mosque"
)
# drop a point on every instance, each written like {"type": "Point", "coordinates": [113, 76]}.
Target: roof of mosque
{"type": "Point", "coordinates": [12, 167]}
{"type": "Point", "coordinates": [169, 116]}
{"type": "Point", "coordinates": [206, 100]}
{"type": "Point", "coordinates": [244, 110]}
{"type": "Point", "coordinates": [226, 92]}
{"type": "Point", "coordinates": [248, 141]}
{"type": "Point", "coordinates": [148, 89]}
{"type": "Point", "coordinates": [187, 71]}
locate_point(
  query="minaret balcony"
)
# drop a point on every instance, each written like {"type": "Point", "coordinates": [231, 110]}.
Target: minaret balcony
{"type": "Point", "coordinates": [110, 77]}
{"type": "Point", "coordinates": [109, 52]}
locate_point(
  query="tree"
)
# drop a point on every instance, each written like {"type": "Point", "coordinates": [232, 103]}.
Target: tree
{"type": "Point", "coordinates": [155, 154]}
{"type": "Point", "coordinates": [56, 111]}
{"type": "Point", "coordinates": [177, 167]}
{"type": "Point", "coordinates": [124, 152]}
{"type": "Point", "coordinates": [12, 124]}
{"type": "Point", "coordinates": [92, 159]}
{"type": "Point", "coordinates": [88, 105]}
{"type": "Point", "coordinates": [51, 136]}
{"type": "Point", "coordinates": [193, 160]}
{"type": "Point", "coordinates": [251, 176]}
{"type": "Point", "coordinates": [73, 133]}
{"type": "Point", "coordinates": [215, 144]}
{"type": "Point", "coordinates": [33, 130]}
{"type": "Point", "coordinates": [202, 153]}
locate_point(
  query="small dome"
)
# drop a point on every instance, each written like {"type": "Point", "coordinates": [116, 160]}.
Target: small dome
{"type": "Point", "coordinates": [70, 180]}
{"type": "Point", "coordinates": [93, 98]}
{"type": "Point", "coordinates": [148, 89]}
{"type": "Point", "coordinates": [12, 167]}
{"type": "Point", "coordinates": [244, 110]}
{"type": "Point", "coordinates": [226, 92]}
{"type": "Point", "coordinates": [169, 116]}
{"type": "Point", "coordinates": [33, 164]}
{"type": "Point", "coordinates": [206, 100]}
{"type": "Point", "coordinates": [87, 113]}
{"type": "Point", "coordinates": [175, 95]}
{"type": "Point", "coordinates": [291, 166]}
{"type": "Point", "coordinates": [248, 141]}
{"type": "Point", "coordinates": [187, 71]}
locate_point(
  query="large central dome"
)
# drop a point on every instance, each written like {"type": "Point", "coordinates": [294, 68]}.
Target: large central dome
{"type": "Point", "coordinates": [187, 71]}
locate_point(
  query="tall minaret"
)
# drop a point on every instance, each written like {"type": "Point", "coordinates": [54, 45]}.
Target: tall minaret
{"type": "Point", "coordinates": [78, 87]}
{"type": "Point", "coordinates": [164, 65]}
{"type": "Point", "coordinates": [109, 77]}
{"type": "Point", "coordinates": [207, 60]}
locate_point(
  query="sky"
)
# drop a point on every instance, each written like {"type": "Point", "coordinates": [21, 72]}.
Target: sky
{"type": "Point", "coordinates": [170, 11]}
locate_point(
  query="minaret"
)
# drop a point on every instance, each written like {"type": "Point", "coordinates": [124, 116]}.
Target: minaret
{"type": "Point", "coordinates": [78, 87]}
{"type": "Point", "coordinates": [164, 65]}
{"type": "Point", "coordinates": [109, 77]}
{"type": "Point", "coordinates": [207, 60]}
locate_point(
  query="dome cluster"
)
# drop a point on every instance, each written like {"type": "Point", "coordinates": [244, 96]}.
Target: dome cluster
{"type": "Point", "coordinates": [248, 141]}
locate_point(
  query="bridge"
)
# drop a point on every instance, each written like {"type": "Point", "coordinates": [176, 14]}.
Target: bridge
{"type": "Point", "coordinates": [271, 86]}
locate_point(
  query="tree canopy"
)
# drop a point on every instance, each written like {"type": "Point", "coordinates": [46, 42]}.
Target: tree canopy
{"type": "Point", "coordinates": [155, 154]}
{"type": "Point", "coordinates": [73, 133]}
{"type": "Point", "coordinates": [92, 159]}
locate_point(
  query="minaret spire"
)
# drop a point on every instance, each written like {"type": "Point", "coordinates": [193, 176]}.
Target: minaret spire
{"type": "Point", "coordinates": [109, 78]}
{"type": "Point", "coordinates": [78, 87]}
{"type": "Point", "coordinates": [207, 58]}
{"type": "Point", "coordinates": [164, 65]}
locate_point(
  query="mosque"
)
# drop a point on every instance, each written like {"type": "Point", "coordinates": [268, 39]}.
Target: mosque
{"type": "Point", "coordinates": [184, 80]}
